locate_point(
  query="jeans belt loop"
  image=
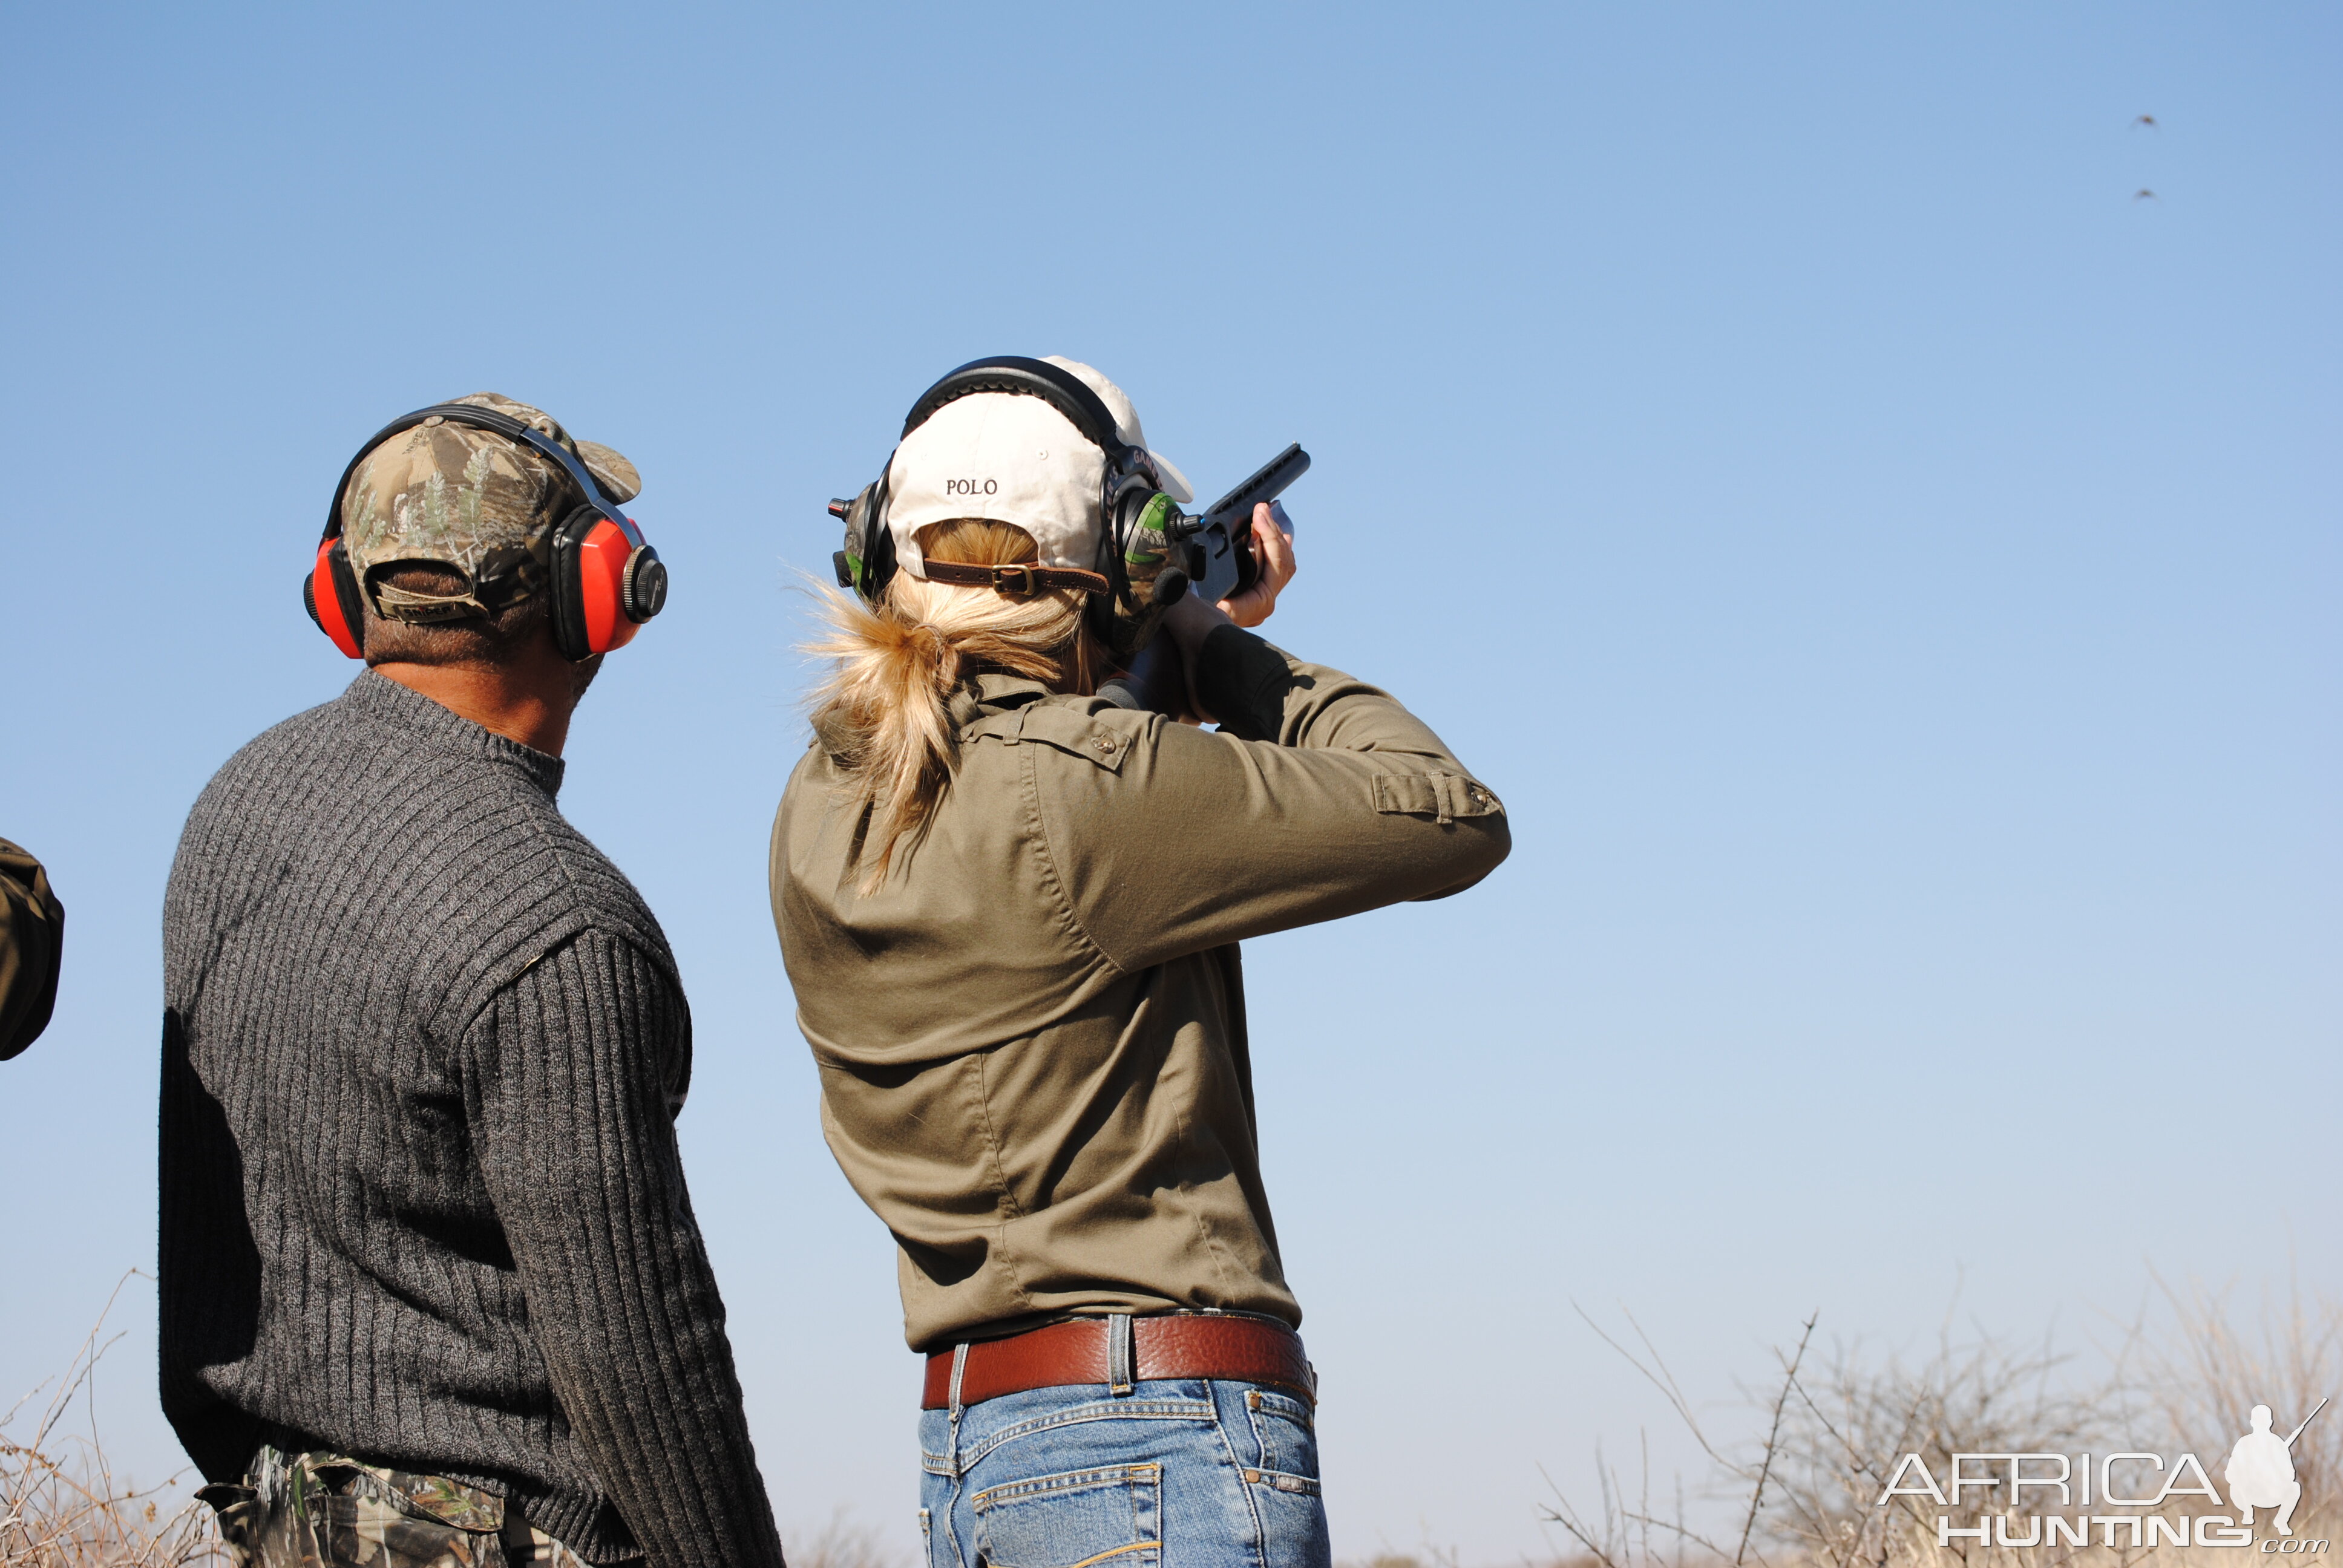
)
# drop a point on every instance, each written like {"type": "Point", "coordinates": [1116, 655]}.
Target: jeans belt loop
{"type": "Point", "coordinates": [1120, 1369]}
{"type": "Point", "coordinates": [959, 1366]}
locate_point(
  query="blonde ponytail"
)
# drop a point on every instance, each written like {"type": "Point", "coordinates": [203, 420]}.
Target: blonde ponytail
{"type": "Point", "coordinates": [887, 703]}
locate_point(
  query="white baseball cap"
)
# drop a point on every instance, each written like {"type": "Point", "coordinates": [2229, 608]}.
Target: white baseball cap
{"type": "Point", "coordinates": [1007, 458]}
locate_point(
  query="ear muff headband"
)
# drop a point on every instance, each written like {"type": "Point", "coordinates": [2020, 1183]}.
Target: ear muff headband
{"type": "Point", "coordinates": [606, 580]}
{"type": "Point", "coordinates": [1061, 388]}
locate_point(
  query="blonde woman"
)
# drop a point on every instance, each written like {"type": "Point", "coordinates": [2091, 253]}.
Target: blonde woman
{"type": "Point", "coordinates": [1010, 910]}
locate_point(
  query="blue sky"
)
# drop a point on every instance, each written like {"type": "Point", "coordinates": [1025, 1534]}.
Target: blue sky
{"type": "Point", "coordinates": [1887, 567]}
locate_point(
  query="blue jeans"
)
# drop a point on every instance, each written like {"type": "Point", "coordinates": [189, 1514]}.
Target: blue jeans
{"type": "Point", "coordinates": [1181, 1474]}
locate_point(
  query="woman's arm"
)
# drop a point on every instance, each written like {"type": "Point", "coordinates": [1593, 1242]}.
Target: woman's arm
{"type": "Point", "coordinates": [1320, 797]}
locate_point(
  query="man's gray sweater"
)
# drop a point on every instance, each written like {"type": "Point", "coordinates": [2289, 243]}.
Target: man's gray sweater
{"type": "Point", "coordinates": [421, 1199]}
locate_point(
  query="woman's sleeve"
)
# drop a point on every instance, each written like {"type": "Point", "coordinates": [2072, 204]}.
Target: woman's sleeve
{"type": "Point", "coordinates": [1319, 797]}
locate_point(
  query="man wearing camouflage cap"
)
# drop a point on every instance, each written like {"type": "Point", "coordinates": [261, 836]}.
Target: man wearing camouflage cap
{"type": "Point", "coordinates": [470, 501]}
{"type": "Point", "coordinates": [431, 1288]}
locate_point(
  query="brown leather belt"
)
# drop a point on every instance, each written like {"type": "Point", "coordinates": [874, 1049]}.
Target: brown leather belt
{"type": "Point", "coordinates": [1175, 1345]}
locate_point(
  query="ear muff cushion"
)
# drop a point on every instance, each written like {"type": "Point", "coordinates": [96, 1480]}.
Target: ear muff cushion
{"type": "Point", "coordinates": [870, 542]}
{"type": "Point", "coordinates": [879, 565]}
{"type": "Point", "coordinates": [569, 633]}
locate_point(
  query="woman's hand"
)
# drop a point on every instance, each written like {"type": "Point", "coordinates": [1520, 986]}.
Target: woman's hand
{"type": "Point", "coordinates": [1274, 552]}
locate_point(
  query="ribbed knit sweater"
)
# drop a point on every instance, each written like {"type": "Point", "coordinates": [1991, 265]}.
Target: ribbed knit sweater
{"type": "Point", "coordinates": [423, 1046]}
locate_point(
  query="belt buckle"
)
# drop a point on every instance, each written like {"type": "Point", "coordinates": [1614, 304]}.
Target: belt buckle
{"type": "Point", "coordinates": [1001, 576]}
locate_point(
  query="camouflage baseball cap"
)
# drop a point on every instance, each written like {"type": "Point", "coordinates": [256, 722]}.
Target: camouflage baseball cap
{"type": "Point", "coordinates": [450, 495]}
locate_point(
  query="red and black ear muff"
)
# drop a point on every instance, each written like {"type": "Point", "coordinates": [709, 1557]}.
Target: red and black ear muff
{"type": "Point", "coordinates": [606, 582]}
{"type": "Point", "coordinates": [330, 594]}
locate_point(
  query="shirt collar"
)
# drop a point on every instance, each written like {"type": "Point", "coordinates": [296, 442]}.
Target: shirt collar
{"type": "Point", "coordinates": [993, 692]}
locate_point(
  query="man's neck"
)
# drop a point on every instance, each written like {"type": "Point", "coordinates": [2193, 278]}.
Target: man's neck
{"type": "Point", "coordinates": [529, 701]}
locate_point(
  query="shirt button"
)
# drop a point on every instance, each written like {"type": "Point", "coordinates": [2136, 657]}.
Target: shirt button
{"type": "Point", "coordinates": [1105, 744]}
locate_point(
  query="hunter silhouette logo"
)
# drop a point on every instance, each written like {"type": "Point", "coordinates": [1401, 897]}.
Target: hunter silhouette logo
{"type": "Point", "coordinates": [2135, 1488]}
{"type": "Point", "coordinates": [2260, 1472]}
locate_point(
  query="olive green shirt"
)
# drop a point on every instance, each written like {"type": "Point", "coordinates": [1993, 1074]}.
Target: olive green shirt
{"type": "Point", "coordinates": [32, 942]}
{"type": "Point", "coordinates": [1032, 1039]}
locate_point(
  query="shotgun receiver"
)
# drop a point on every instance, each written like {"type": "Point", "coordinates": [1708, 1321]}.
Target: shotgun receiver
{"type": "Point", "coordinates": [1217, 544]}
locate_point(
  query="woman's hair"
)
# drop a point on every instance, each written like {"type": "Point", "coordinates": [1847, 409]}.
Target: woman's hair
{"type": "Point", "coordinates": [886, 706]}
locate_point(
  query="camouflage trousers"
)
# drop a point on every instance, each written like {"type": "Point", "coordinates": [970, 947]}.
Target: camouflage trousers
{"type": "Point", "coordinates": [328, 1510]}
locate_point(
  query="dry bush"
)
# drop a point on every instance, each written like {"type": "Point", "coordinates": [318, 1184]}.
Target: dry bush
{"type": "Point", "coordinates": [62, 1506]}
{"type": "Point", "coordinates": [1837, 1421]}
{"type": "Point", "coordinates": [2201, 1372]}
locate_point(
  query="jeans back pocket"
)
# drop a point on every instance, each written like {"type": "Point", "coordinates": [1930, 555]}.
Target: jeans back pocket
{"type": "Point", "coordinates": [1286, 1440]}
{"type": "Point", "coordinates": [1112, 1516]}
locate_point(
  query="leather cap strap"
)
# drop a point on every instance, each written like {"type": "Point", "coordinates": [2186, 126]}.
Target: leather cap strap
{"type": "Point", "coordinates": [1018, 578]}
{"type": "Point", "coordinates": [1172, 1346]}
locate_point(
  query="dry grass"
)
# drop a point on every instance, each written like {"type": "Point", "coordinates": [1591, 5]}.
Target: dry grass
{"type": "Point", "coordinates": [2179, 1378]}
{"type": "Point", "coordinates": [1802, 1492]}
{"type": "Point", "coordinates": [62, 1506]}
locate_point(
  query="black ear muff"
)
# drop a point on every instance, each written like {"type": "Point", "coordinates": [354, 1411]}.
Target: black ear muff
{"type": "Point", "coordinates": [878, 546]}
{"type": "Point", "coordinates": [1109, 613]}
{"type": "Point", "coordinates": [1125, 506]}
{"type": "Point", "coordinates": [868, 561]}
{"type": "Point", "coordinates": [1136, 558]}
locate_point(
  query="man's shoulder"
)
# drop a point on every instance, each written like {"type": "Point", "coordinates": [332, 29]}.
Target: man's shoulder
{"type": "Point", "coordinates": [460, 850]}
{"type": "Point", "coordinates": [326, 770]}
{"type": "Point", "coordinates": [258, 760]}
{"type": "Point", "coordinates": [271, 782]}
